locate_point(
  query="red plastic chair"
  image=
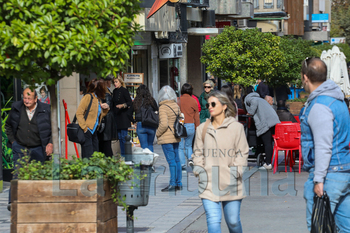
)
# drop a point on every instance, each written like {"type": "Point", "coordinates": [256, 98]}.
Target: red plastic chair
{"type": "Point", "coordinates": [297, 118]}
{"type": "Point", "coordinates": [287, 138]}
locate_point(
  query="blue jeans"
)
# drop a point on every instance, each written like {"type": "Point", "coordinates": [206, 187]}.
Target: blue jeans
{"type": "Point", "coordinates": [232, 211]}
{"type": "Point", "coordinates": [171, 152]}
{"type": "Point", "coordinates": [35, 153]}
{"type": "Point", "coordinates": [337, 186]}
{"type": "Point", "coordinates": [185, 147]}
{"type": "Point", "coordinates": [121, 136]}
{"type": "Point", "coordinates": [146, 136]}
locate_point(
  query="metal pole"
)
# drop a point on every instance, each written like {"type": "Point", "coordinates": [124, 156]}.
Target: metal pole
{"type": "Point", "coordinates": [130, 219]}
{"type": "Point", "coordinates": [128, 149]}
{"type": "Point", "coordinates": [59, 118]}
{"type": "Point", "coordinates": [65, 123]}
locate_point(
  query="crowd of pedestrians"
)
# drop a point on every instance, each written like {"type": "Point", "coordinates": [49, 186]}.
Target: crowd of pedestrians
{"type": "Point", "coordinates": [215, 145]}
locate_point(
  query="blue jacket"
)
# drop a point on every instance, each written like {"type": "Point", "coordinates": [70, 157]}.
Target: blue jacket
{"type": "Point", "coordinates": [325, 132]}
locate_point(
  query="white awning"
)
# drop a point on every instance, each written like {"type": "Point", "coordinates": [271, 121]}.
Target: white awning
{"type": "Point", "coordinates": [202, 31]}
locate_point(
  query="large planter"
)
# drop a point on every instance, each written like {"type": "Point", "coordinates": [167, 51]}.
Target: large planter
{"type": "Point", "coordinates": [36, 209]}
{"type": "Point", "coordinates": [295, 107]}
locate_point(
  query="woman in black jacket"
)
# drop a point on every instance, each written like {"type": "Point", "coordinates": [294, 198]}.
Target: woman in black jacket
{"type": "Point", "coordinates": [108, 130]}
{"type": "Point", "coordinates": [122, 114]}
{"type": "Point", "coordinates": [145, 133]}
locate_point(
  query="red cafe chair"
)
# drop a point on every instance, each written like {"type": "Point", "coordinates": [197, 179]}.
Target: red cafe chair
{"type": "Point", "coordinates": [287, 138]}
{"type": "Point", "coordinates": [297, 118]}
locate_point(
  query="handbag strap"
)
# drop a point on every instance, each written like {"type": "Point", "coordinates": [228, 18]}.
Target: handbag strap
{"type": "Point", "coordinates": [173, 110]}
{"type": "Point", "coordinates": [87, 111]}
{"type": "Point", "coordinates": [175, 115]}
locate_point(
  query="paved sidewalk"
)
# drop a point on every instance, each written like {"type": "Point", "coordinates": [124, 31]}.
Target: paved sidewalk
{"type": "Point", "coordinates": [272, 212]}
{"type": "Point", "coordinates": [5, 215]}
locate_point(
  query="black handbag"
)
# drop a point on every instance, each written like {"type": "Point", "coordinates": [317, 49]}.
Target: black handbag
{"type": "Point", "coordinates": [179, 128]}
{"type": "Point", "coordinates": [149, 117]}
{"type": "Point", "coordinates": [322, 220]}
{"type": "Point", "coordinates": [74, 132]}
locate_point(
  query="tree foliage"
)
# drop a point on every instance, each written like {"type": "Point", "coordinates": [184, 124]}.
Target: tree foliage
{"type": "Point", "coordinates": [45, 40]}
{"type": "Point", "coordinates": [295, 51]}
{"type": "Point", "coordinates": [341, 19]}
{"type": "Point", "coordinates": [242, 56]}
{"type": "Point", "coordinates": [345, 48]}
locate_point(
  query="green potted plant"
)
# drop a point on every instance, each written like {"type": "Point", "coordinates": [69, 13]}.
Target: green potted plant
{"type": "Point", "coordinates": [303, 95]}
{"type": "Point", "coordinates": [78, 195]}
{"type": "Point", "coordinates": [295, 105]}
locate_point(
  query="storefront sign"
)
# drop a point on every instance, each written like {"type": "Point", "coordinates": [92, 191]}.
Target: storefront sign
{"type": "Point", "coordinates": [133, 77]}
{"type": "Point", "coordinates": [320, 18]}
{"type": "Point", "coordinates": [338, 40]}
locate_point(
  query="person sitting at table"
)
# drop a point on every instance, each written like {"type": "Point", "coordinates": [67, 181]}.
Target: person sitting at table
{"type": "Point", "coordinates": [283, 113]}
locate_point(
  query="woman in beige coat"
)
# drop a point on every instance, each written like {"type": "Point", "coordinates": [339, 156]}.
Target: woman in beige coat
{"type": "Point", "coordinates": [220, 153]}
{"type": "Point", "coordinates": [165, 135]}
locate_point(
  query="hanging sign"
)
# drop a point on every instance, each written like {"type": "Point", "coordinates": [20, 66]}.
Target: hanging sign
{"type": "Point", "coordinates": [133, 77]}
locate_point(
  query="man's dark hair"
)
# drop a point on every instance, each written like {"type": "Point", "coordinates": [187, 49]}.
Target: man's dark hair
{"type": "Point", "coordinates": [281, 103]}
{"type": "Point", "coordinates": [213, 80]}
{"type": "Point", "coordinates": [186, 89]}
{"type": "Point", "coordinates": [32, 90]}
{"type": "Point", "coordinates": [315, 69]}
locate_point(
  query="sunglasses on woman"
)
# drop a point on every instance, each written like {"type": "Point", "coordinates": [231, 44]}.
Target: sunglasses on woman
{"type": "Point", "coordinates": [207, 87]}
{"type": "Point", "coordinates": [213, 104]}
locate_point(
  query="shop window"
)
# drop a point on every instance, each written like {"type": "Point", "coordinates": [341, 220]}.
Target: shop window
{"type": "Point", "coordinates": [268, 4]}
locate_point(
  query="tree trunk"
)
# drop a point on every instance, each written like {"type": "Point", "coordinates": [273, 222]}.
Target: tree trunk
{"type": "Point", "coordinates": [54, 122]}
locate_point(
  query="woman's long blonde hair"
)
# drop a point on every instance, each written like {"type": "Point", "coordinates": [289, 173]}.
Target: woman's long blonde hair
{"type": "Point", "coordinates": [120, 79]}
{"type": "Point", "coordinates": [237, 92]}
{"type": "Point", "coordinates": [224, 100]}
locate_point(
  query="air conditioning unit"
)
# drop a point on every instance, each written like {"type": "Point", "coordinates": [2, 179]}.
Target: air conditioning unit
{"type": "Point", "coordinates": [242, 23]}
{"type": "Point", "coordinates": [170, 51]}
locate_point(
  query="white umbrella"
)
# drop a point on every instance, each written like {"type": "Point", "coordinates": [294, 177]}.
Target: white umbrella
{"type": "Point", "coordinates": [326, 57]}
{"type": "Point", "coordinates": [336, 68]}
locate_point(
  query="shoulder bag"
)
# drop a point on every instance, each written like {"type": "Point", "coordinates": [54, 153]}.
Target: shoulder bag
{"type": "Point", "coordinates": [74, 132]}
{"type": "Point", "coordinates": [149, 117]}
{"type": "Point", "coordinates": [179, 128]}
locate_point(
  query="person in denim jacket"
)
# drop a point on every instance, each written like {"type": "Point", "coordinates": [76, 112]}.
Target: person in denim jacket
{"type": "Point", "coordinates": [325, 136]}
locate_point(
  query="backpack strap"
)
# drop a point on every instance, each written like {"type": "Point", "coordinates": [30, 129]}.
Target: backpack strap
{"type": "Point", "coordinates": [206, 124]}
{"type": "Point", "coordinates": [87, 111]}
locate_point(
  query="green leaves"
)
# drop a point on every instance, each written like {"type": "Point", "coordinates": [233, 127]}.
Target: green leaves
{"type": "Point", "coordinates": [61, 37]}
{"type": "Point", "coordinates": [242, 56]}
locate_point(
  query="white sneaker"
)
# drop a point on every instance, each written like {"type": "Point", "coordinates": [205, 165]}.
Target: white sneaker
{"type": "Point", "coordinates": [267, 167]}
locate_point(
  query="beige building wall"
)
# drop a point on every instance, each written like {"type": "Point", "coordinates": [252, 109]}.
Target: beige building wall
{"type": "Point", "coordinates": [69, 91]}
{"type": "Point", "coordinates": [267, 26]}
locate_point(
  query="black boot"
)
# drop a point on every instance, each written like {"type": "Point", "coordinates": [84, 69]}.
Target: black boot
{"type": "Point", "coordinates": [179, 187]}
{"type": "Point", "coordinates": [169, 188]}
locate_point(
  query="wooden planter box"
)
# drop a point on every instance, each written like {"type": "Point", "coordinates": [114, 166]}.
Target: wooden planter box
{"type": "Point", "coordinates": [34, 208]}
{"type": "Point", "coordinates": [295, 107]}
